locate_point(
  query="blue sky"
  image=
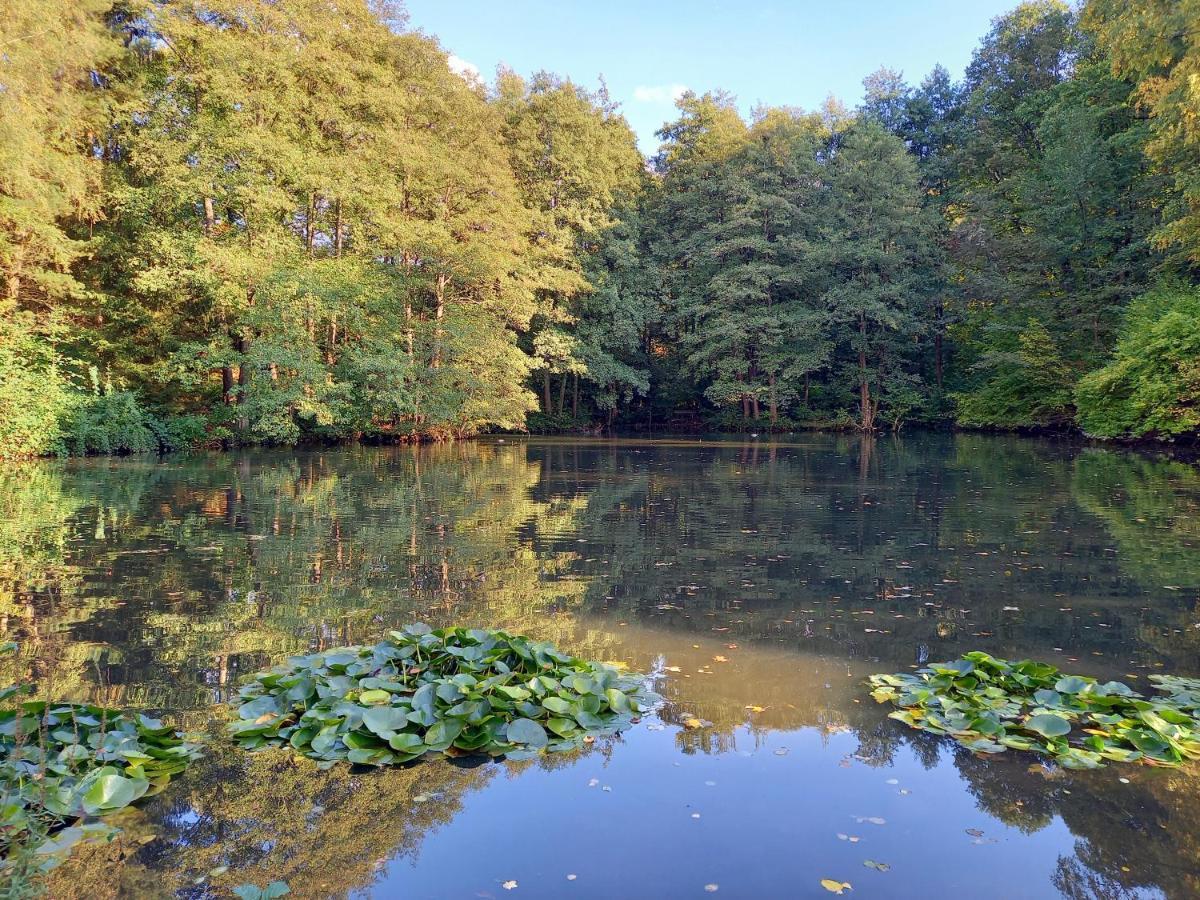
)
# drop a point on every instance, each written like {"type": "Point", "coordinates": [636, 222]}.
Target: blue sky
{"type": "Point", "coordinates": [794, 52]}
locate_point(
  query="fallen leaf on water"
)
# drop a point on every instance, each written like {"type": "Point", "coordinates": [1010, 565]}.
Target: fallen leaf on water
{"type": "Point", "coordinates": [756, 709]}
{"type": "Point", "coordinates": [782, 751]}
{"type": "Point", "coordinates": [975, 832]}
{"type": "Point", "coordinates": [712, 888]}
{"type": "Point", "coordinates": [835, 887]}
{"type": "Point", "coordinates": [692, 723]}
{"type": "Point", "coordinates": [572, 877]}
{"type": "Point", "coordinates": [877, 866]}
{"type": "Point", "coordinates": [509, 885]}
{"type": "Point", "coordinates": [721, 658]}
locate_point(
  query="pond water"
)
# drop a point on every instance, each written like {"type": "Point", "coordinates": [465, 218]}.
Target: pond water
{"type": "Point", "coordinates": [761, 581]}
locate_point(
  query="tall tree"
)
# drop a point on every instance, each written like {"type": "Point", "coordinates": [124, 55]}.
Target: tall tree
{"type": "Point", "coordinates": [873, 243]}
{"type": "Point", "coordinates": [1157, 44]}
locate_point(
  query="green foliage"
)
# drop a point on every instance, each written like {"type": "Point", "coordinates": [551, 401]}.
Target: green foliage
{"type": "Point", "coordinates": [1154, 43]}
{"type": "Point", "coordinates": [1152, 384]}
{"type": "Point", "coordinates": [34, 394]}
{"type": "Point", "coordinates": [1028, 385]}
{"type": "Point", "coordinates": [112, 422]}
{"type": "Point", "coordinates": [253, 892]}
{"type": "Point", "coordinates": [990, 705]}
{"type": "Point", "coordinates": [69, 761]}
{"type": "Point", "coordinates": [455, 691]}
{"type": "Point", "coordinates": [269, 233]}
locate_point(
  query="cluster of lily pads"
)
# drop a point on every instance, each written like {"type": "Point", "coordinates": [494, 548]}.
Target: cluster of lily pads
{"type": "Point", "coordinates": [991, 705]}
{"type": "Point", "coordinates": [454, 691]}
{"type": "Point", "coordinates": [74, 762]}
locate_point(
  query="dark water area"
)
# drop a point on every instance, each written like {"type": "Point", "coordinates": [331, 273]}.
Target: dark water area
{"type": "Point", "coordinates": [760, 581]}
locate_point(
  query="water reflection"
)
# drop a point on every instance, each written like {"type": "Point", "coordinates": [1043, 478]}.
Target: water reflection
{"type": "Point", "coordinates": [764, 581]}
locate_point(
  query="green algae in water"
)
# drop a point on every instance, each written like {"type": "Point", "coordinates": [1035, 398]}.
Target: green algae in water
{"type": "Point", "coordinates": [455, 691]}
{"type": "Point", "coordinates": [990, 705]}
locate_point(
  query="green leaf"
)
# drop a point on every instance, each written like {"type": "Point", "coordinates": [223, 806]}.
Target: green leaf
{"type": "Point", "coordinates": [527, 731]}
{"type": "Point", "coordinates": [109, 790]}
{"type": "Point", "coordinates": [385, 719]}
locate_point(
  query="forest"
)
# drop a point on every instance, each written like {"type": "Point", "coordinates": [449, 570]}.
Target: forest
{"type": "Point", "coordinates": [229, 222]}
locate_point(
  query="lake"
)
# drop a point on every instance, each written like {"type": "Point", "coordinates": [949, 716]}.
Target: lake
{"type": "Point", "coordinates": [759, 581]}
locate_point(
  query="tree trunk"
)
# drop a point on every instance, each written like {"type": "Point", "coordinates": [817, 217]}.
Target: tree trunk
{"type": "Point", "coordinates": [546, 392]}
{"type": "Point", "coordinates": [210, 218]}
{"type": "Point", "coordinates": [754, 407]}
{"type": "Point", "coordinates": [575, 400]}
{"type": "Point", "coordinates": [866, 411]}
{"type": "Point", "coordinates": [338, 240]}
{"type": "Point", "coordinates": [745, 407]}
{"type": "Point", "coordinates": [937, 356]}
{"type": "Point", "coordinates": [864, 388]}
{"type": "Point", "coordinates": [227, 385]}
{"type": "Point", "coordinates": [439, 314]}
{"type": "Point", "coordinates": [774, 405]}
{"type": "Point", "coordinates": [243, 383]}
{"type": "Point", "coordinates": [332, 341]}
{"type": "Point", "coordinates": [562, 394]}
{"type": "Point", "coordinates": [309, 225]}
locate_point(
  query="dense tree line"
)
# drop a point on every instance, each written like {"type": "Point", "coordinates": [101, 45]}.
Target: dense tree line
{"type": "Point", "coordinates": [251, 221]}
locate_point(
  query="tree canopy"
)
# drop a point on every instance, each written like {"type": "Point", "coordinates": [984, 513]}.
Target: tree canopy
{"type": "Point", "coordinates": [241, 221]}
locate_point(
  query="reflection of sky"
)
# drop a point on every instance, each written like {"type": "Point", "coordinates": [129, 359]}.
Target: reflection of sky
{"type": "Point", "coordinates": [768, 827]}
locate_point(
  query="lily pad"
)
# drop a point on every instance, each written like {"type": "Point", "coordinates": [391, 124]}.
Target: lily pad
{"type": "Point", "coordinates": [446, 690]}
{"type": "Point", "coordinates": [991, 705]}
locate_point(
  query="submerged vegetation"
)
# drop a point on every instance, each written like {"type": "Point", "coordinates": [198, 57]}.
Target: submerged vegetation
{"type": "Point", "coordinates": [241, 221]}
{"type": "Point", "coordinates": [455, 691]}
{"type": "Point", "coordinates": [990, 705]}
{"type": "Point", "coordinates": [63, 766]}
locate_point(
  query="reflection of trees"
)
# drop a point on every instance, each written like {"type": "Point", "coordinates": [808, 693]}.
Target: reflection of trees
{"type": "Point", "coordinates": [272, 816]}
{"type": "Point", "coordinates": [822, 560]}
{"type": "Point", "coordinates": [912, 551]}
{"type": "Point", "coordinates": [1152, 509]}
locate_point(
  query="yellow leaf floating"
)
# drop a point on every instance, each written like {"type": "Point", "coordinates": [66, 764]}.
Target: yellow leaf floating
{"type": "Point", "coordinates": [692, 723]}
{"type": "Point", "coordinates": [835, 887]}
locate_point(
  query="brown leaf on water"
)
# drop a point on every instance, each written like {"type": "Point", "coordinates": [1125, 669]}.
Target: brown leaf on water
{"type": "Point", "coordinates": [835, 887]}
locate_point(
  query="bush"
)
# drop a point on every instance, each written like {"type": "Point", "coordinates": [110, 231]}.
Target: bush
{"type": "Point", "coordinates": [1152, 384]}
{"type": "Point", "coordinates": [1028, 384]}
{"type": "Point", "coordinates": [114, 422]}
{"type": "Point", "coordinates": [34, 395]}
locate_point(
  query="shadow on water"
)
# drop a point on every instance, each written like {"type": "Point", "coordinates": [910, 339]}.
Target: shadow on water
{"type": "Point", "coordinates": [763, 581]}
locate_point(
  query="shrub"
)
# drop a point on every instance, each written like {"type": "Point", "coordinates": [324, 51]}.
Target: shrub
{"type": "Point", "coordinates": [1152, 384]}
{"type": "Point", "coordinates": [34, 395]}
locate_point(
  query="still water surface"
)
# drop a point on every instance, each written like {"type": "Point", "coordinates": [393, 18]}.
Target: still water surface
{"type": "Point", "coordinates": [760, 582]}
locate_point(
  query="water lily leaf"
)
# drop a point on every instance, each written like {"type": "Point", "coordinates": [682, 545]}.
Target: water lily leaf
{"type": "Point", "coordinates": [1048, 725]}
{"type": "Point", "coordinates": [109, 789]}
{"type": "Point", "coordinates": [527, 731]}
{"type": "Point", "coordinates": [1072, 684]}
{"type": "Point", "coordinates": [383, 720]}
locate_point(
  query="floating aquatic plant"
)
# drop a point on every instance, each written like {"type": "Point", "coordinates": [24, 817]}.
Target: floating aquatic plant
{"type": "Point", "coordinates": [61, 762]}
{"type": "Point", "coordinates": [455, 691]}
{"type": "Point", "coordinates": [991, 705]}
